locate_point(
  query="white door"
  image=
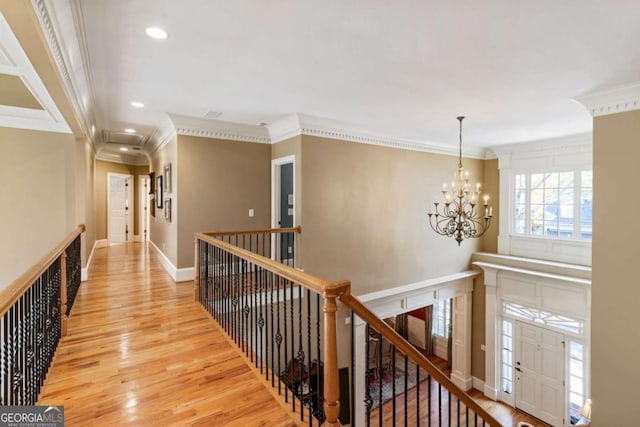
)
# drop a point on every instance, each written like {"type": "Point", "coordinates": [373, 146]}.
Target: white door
{"type": "Point", "coordinates": [119, 220]}
{"type": "Point", "coordinates": [539, 369]}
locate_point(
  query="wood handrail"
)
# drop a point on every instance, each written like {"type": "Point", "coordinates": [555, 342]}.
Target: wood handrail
{"type": "Point", "coordinates": [308, 281]}
{"type": "Point", "coordinates": [19, 286]}
{"type": "Point", "coordinates": [297, 229]}
{"type": "Point", "coordinates": [416, 357]}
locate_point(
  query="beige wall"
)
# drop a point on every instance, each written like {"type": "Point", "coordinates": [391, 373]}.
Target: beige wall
{"type": "Point", "coordinates": [162, 233]}
{"type": "Point", "coordinates": [218, 182]}
{"type": "Point", "coordinates": [365, 217]}
{"type": "Point", "coordinates": [365, 214]}
{"type": "Point", "coordinates": [615, 336]}
{"type": "Point", "coordinates": [103, 168]}
{"type": "Point", "coordinates": [37, 197]}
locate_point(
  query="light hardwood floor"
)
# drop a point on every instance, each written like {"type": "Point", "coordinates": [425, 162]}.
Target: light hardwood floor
{"type": "Point", "coordinates": [140, 351]}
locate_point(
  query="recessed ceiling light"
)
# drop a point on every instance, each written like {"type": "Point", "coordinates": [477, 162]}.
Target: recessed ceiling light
{"type": "Point", "coordinates": [137, 104]}
{"type": "Point", "coordinates": [129, 130]}
{"type": "Point", "coordinates": [124, 149]}
{"type": "Point", "coordinates": [156, 33]}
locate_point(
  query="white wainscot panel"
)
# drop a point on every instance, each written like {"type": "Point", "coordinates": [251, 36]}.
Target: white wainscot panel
{"type": "Point", "coordinates": [565, 300]}
{"type": "Point", "coordinates": [421, 300]}
{"type": "Point", "coordinates": [515, 287]}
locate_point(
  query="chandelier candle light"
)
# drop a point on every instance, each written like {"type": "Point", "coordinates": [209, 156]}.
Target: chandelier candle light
{"type": "Point", "coordinates": [461, 216]}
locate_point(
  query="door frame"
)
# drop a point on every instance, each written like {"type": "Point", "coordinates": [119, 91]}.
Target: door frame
{"type": "Point", "coordinates": [275, 188]}
{"type": "Point", "coordinates": [131, 211]}
{"type": "Point", "coordinates": [144, 211]}
{"type": "Point", "coordinates": [275, 196]}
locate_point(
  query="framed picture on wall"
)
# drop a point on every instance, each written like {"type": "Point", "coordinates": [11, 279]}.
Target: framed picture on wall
{"type": "Point", "coordinates": [167, 210]}
{"type": "Point", "coordinates": [167, 178]}
{"type": "Point", "coordinates": [159, 191]}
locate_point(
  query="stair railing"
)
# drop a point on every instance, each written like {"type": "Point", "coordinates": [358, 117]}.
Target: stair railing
{"type": "Point", "coordinates": [285, 322]}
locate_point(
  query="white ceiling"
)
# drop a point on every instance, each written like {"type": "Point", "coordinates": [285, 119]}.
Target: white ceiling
{"type": "Point", "coordinates": [402, 69]}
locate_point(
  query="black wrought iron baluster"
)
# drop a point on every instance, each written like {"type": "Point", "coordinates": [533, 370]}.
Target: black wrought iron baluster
{"type": "Point", "coordinates": [417, 395]}
{"type": "Point", "coordinates": [439, 404]}
{"type": "Point", "coordinates": [475, 418]}
{"type": "Point", "coordinates": [320, 393]}
{"type": "Point", "coordinates": [292, 340]}
{"type": "Point", "coordinates": [353, 363]}
{"type": "Point", "coordinates": [429, 399]}
{"type": "Point", "coordinates": [278, 333]}
{"type": "Point", "coordinates": [393, 383]}
{"type": "Point", "coordinates": [380, 348]}
{"type": "Point", "coordinates": [458, 410]}
{"type": "Point", "coordinates": [309, 379]}
{"type": "Point", "coordinates": [254, 320]}
{"type": "Point", "coordinates": [467, 416]}
{"type": "Point", "coordinates": [406, 389]}
{"type": "Point", "coordinates": [300, 356]}
{"type": "Point", "coordinates": [261, 318]}
{"type": "Point", "coordinates": [449, 407]}
{"type": "Point", "coordinates": [368, 401]}
{"type": "Point", "coordinates": [286, 339]}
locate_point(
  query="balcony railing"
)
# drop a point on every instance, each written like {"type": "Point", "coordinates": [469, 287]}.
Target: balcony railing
{"type": "Point", "coordinates": [33, 316]}
{"type": "Point", "coordinates": [284, 320]}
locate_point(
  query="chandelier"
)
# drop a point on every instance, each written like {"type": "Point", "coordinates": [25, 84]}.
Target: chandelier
{"type": "Point", "coordinates": [461, 216]}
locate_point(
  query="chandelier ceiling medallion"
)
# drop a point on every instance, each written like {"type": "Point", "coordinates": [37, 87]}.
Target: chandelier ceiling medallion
{"type": "Point", "coordinates": [460, 215]}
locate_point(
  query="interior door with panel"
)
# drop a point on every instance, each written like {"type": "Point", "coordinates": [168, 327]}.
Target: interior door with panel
{"type": "Point", "coordinates": [540, 362]}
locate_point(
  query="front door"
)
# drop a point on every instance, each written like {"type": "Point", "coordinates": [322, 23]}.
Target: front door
{"type": "Point", "coordinates": [540, 373]}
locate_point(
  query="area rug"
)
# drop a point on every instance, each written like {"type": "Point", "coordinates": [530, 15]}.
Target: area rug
{"type": "Point", "coordinates": [388, 380]}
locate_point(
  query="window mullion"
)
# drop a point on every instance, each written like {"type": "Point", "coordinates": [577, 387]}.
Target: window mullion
{"type": "Point", "coordinates": [577, 204]}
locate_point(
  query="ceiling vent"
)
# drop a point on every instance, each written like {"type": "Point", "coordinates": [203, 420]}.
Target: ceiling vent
{"type": "Point", "coordinates": [124, 138]}
{"type": "Point", "coordinates": [212, 115]}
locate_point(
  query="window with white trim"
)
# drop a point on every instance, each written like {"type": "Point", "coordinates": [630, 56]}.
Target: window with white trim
{"type": "Point", "coordinates": [576, 378]}
{"type": "Point", "coordinates": [442, 311]}
{"type": "Point", "coordinates": [507, 356]}
{"type": "Point", "coordinates": [554, 204]}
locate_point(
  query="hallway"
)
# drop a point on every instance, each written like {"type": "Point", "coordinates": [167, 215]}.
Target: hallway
{"type": "Point", "coordinates": [139, 351]}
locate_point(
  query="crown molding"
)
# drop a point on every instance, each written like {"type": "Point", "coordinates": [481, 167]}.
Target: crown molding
{"type": "Point", "coordinates": [610, 101]}
{"type": "Point", "coordinates": [284, 128]}
{"type": "Point", "coordinates": [123, 159]}
{"type": "Point", "coordinates": [164, 133]}
{"type": "Point", "coordinates": [582, 142]}
{"type": "Point", "coordinates": [290, 126]}
{"type": "Point", "coordinates": [219, 129]}
{"type": "Point", "coordinates": [328, 128]}
{"type": "Point", "coordinates": [50, 14]}
{"type": "Point", "coordinates": [16, 62]}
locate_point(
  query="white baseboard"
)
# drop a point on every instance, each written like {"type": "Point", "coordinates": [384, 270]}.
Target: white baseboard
{"type": "Point", "coordinates": [478, 384]}
{"type": "Point", "coordinates": [166, 262]}
{"type": "Point", "coordinates": [84, 272]}
{"type": "Point", "coordinates": [102, 243]}
{"type": "Point", "coordinates": [185, 274]}
{"type": "Point", "coordinates": [137, 238]}
{"type": "Point", "coordinates": [490, 392]}
{"type": "Point", "coordinates": [464, 383]}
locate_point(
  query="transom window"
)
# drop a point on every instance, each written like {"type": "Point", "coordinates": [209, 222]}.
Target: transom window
{"type": "Point", "coordinates": [556, 321]}
{"type": "Point", "coordinates": [554, 204]}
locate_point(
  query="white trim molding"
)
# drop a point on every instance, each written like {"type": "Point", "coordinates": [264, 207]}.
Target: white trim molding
{"type": "Point", "coordinates": [402, 299]}
{"type": "Point", "coordinates": [296, 124]}
{"type": "Point", "coordinates": [177, 274]}
{"type": "Point", "coordinates": [613, 100]}
{"type": "Point", "coordinates": [15, 62]}
{"type": "Point", "coordinates": [165, 262]}
{"type": "Point", "coordinates": [219, 129]}
{"type": "Point", "coordinates": [553, 287]}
